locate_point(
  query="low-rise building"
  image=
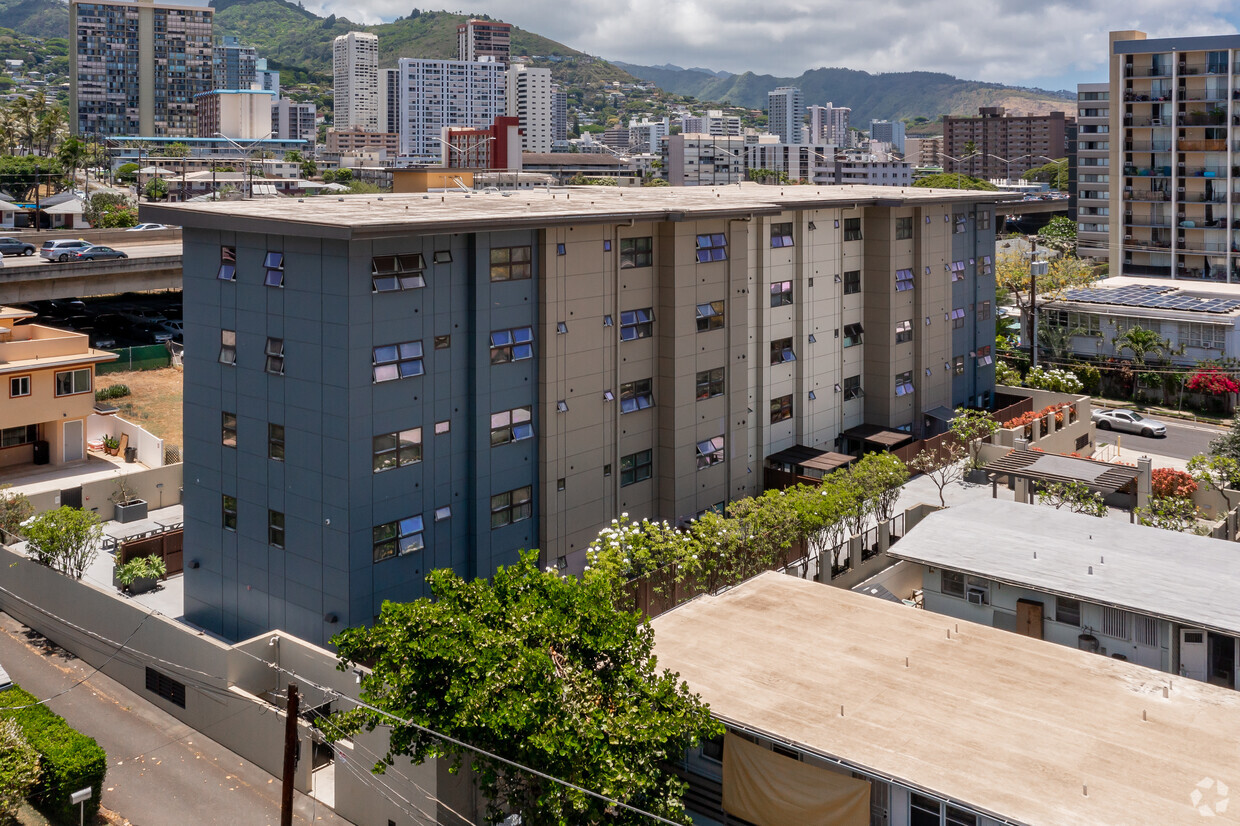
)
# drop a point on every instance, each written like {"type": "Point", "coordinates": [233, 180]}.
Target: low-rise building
{"type": "Point", "coordinates": [51, 392]}
{"type": "Point", "coordinates": [240, 114]}
{"type": "Point", "coordinates": [697, 159]}
{"type": "Point", "coordinates": [294, 121]}
{"type": "Point", "coordinates": [354, 141]}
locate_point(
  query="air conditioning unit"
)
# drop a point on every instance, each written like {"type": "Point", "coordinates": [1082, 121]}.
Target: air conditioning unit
{"type": "Point", "coordinates": [977, 596]}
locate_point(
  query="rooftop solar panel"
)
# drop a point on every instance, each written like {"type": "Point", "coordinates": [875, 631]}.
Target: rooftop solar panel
{"type": "Point", "coordinates": [1154, 297]}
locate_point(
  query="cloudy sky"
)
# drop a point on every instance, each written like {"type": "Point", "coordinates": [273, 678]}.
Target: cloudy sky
{"type": "Point", "coordinates": [1051, 44]}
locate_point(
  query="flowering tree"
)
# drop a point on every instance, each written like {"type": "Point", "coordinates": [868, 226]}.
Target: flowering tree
{"type": "Point", "coordinates": [1075, 496]}
{"type": "Point", "coordinates": [1212, 381]}
{"type": "Point", "coordinates": [1055, 380]}
{"type": "Point", "coordinates": [1170, 514]}
{"type": "Point", "coordinates": [971, 427]}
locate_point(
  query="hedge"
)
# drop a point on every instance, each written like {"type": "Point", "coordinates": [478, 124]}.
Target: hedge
{"type": "Point", "coordinates": [70, 759]}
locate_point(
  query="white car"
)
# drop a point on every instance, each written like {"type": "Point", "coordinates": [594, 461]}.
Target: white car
{"type": "Point", "coordinates": [146, 227]}
{"type": "Point", "coordinates": [1129, 421]}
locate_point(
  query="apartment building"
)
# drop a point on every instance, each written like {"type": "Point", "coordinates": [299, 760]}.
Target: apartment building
{"type": "Point", "coordinates": [240, 114]}
{"type": "Point", "coordinates": [694, 159]}
{"type": "Point", "coordinates": [863, 168]}
{"type": "Point", "coordinates": [1089, 171]}
{"type": "Point", "coordinates": [266, 79]}
{"type": "Point", "coordinates": [1172, 144]}
{"type": "Point", "coordinates": [484, 40]}
{"type": "Point", "coordinates": [436, 94]}
{"type": "Point", "coordinates": [294, 121]}
{"type": "Point", "coordinates": [50, 374]}
{"type": "Point", "coordinates": [889, 132]}
{"type": "Point", "coordinates": [829, 124]}
{"type": "Point", "coordinates": [233, 66]}
{"type": "Point", "coordinates": [496, 147]}
{"type": "Point", "coordinates": [388, 386]}
{"type": "Point", "coordinates": [648, 135]}
{"type": "Point", "coordinates": [800, 162]}
{"type": "Point", "coordinates": [786, 113]}
{"type": "Point", "coordinates": [559, 114]}
{"type": "Point", "coordinates": [529, 101]}
{"type": "Point", "coordinates": [923, 151]}
{"type": "Point", "coordinates": [389, 100]}
{"type": "Point", "coordinates": [1003, 145]}
{"type": "Point", "coordinates": [135, 67]}
{"type": "Point", "coordinates": [714, 122]}
{"type": "Point", "coordinates": [357, 141]}
{"type": "Point", "coordinates": [355, 77]}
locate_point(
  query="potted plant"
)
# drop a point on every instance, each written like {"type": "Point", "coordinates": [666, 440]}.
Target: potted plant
{"type": "Point", "coordinates": [111, 445]}
{"type": "Point", "coordinates": [139, 574]}
{"type": "Point", "coordinates": [127, 506]}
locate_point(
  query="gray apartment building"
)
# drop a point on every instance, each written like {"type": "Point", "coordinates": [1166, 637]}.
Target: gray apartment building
{"type": "Point", "coordinates": [233, 66]}
{"type": "Point", "coordinates": [384, 385]}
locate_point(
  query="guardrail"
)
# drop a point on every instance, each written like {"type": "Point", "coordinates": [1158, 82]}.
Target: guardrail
{"type": "Point", "coordinates": [90, 278]}
{"type": "Point", "coordinates": [108, 237]}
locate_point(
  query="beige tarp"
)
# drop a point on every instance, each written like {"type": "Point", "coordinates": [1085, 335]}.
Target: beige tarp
{"type": "Point", "coordinates": [769, 789]}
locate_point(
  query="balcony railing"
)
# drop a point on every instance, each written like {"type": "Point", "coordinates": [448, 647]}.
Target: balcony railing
{"type": "Point", "coordinates": [1202, 146]}
{"type": "Point", "coordinates": [1200, 223]}
{"type": "Point", "coordinates": [1145, 220]}
{"type": "Point", "coordinates": [1196, 119]}
{"type": "Point", "coordinates": [1147, 171]}
{"type": "Point", "coordinates": [1208, 68]}
{"type": "Point", "coordinates": [1203, 246]}
{"type": "Point", "coordinates": [1152, 96]}
{"type": "Point", "coordinates": [1146, 244]}
{"type": "Point", "coordinates": [1201, 95]}
{"type": "Point", "coordinates": [1145, 120]}
{"type": "Point", "coordinates": [1203, 198]}
{"type": "Point", "coordinates": [1148, 146]}
{"type": "Point", "coordinates": [1147, 269]}
{"type": "Point", "coordinates": [1203, 172]}
{"type": "Point", "coordinates": [1149, 71]}
{"type": "Point", "coordinates": [1148, 196]}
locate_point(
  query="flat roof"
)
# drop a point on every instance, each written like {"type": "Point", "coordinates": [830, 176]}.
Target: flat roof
{"type": "Point", "coordinates": [1178, 44]}
{"type": "Point", "coordinates": [1013, 727]}
{"type": "Point", "coordinates": [1162, 298]}
{"type": "Point", "coordinates": [1189, 579]}
{"type": "Point", "coordinates": [354, 216]}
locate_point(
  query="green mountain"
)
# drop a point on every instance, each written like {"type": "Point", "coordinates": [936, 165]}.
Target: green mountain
{"type": "Point", "coordinates": [891, 96]}
{"type": "Point", "coordinates": [36, 18]}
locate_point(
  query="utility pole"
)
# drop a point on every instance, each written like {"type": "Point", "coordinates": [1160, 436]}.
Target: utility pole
{"type": "Point", "coordinates": [1036, 268]}
{"type": "Point", "coordinates": [290, 758]}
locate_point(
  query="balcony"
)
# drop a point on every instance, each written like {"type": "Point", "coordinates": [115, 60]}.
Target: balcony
{"type": "Point", "coordinates": [1147, 171]}
{"type": "Point", "coordinates": [1202, 146]}
{"type": "Point", "coordinates": [1145, 220]}
{"type": "Point", "coordinates": [1203, 198]}
{"type": "Point", "coordinates": [1201, 95]}
{"type": "Point", "coordinates": [1148, 196]}
{"type": "Point", "coordinates": [1149, 71]}
{"type": "Point", "coordinates": [1202, 172]}
{"type": "Point", "coordinates": [1199, 119]}
{"type": "Point", "coordinates": [1208, 68]}
{"type": "Point", "coordinates": [1148, 146]}
{"type": "Point", "coordinates": [1147, 269]}
{"type": "Point", "coordinates": [1152, 96]}
{"type": "Point", "coordinates": [1202, 247]}
{"type": "Point", "coordinates": [1146, 245]}
{"type": "Point", "coordinates": [1201, 223]}
{"type": "Point", "coordinates": [1138, 121]}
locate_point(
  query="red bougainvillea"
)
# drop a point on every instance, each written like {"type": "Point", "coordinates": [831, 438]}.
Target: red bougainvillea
{"type": "Point", "coordinates": [1213, 381]}
{"type": "Point", "coordinates": [1168, 482]}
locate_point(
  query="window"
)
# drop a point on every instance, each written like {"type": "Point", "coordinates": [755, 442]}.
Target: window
{"type": "Point", "coordinates": [957, 270]}
{"type": "Point", "coordinates": [983, 356]}
{"type": "Point", "coordinates": [710, 383]}
{"type": "Point", "coordinates": [781, 409]}
{"type": "Point", "coordinates": [635, 324]}
{"type": "Point", "coordinates": [1088, 324]}
{"type": "Point", "coordinates": [228, 347]}
{"type": "Point", "coordinates": [72, 382]}
{"type": "Point", "coordinates": [712, 248]}
{"type": "Point", "coordinates": [275, 442]}
{"type": "Point", "coordinates": [904, 280]}
{"type": "Point", "coordinates": [23, 434]}
{"type": "Point", "coordinates": [709, 316]}
{"type": "Point", "coordinates": [958, 222]}
{"type": "Point", "coordinates": [852, 282]}
{"type": "Point", "coordinates": [781, 293]}
{"type": "Point", "coordinates": [443, 427]}
{"type": "Point", "coordinates": [957, 318]}
{"type": "Point", "coordinates": [958, 365]}
{"type": "Point", "coordinates": [397, 361]}
{"type": "Point", "coordinates": [636, 252]}
{"type": "Point", "coordinates": [986, 267]}
{"type": "Point", "coordinates": [852, 388]}
{"type": "Point", "coordinates": [1206, 336]}
{"type": "Point", "coordinates": [228, 424]}
{"type": "Point", "coordinates": [1145, 630]}
{"type": "Point", "coordinates": [904, 383]}
{"type": "Point", "coordinates": [392, 450]}
{"type": "Point", "coordinates": [904, 229]}
{"type": "Point", "coordinates": [852, 229]}
{"type": "Point", "coordinates": [19, 386]}
{"type": "Point", "coordinates": [781, 235]}
{"type": "Point", "coordinates": [951, 584]}
{"type": "Point", "coordinates": [636, 395]}
{"type": "Point", "coordinates": [508, 263]}
{"type": "Point", "coordinates": [781, 351]}
{"type": "Point", "coordinates": [443, 513]}
{"type": "Point", "coordinates": [228, 264]}
{"type": "Point", "coordinates": [163, 686]}
{"type": "Point", "coordinates": [904, 331]}
{"type": "Point", "coordinates": [710, 452]}
{"type": "Point", "coordinates": [511, 426]}
{"type": "Point", "coordinates": [274, 264]}
{"type": "Point", "coordinates": [442, 257]}
{"type": "Point", "coordinates": [635, 467]}
{"type": "Point", "coordinates": [390, 273]}
{"type": "Point", "coordinates": [853, 334]}
{"type": "Point", "coordinates": [229, 508]}
{"type": "Point", "coordinates": [275, 529]}
{"type": "Point", "coordinates": [1114, 623]}
{"type": "Point", "coordinates": [561, 249]}
{"type": "Point", "coordinates": [1068, 611]}
{"type": "Point", "coordinates": [404, 536]}
{"type": "Point", "coordinates": [443, 342]}
{"type": "Point", "coordinates": [275, 356]}
{"type": "Point", "coordinates": [983, 220]}
{"type": "Point", "coordinates": [516, 344]}
{"type": "Point", "coordinates": [512, 506]}
{"type": "Point", "coordinates": [983, 311]}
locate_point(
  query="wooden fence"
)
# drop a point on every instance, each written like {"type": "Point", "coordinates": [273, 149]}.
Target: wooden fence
{"type": "Point", "coordinates": [167, 546]}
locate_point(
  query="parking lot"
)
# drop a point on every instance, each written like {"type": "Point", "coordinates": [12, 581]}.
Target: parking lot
{"type": "Point", "coordinates": [128, 320]}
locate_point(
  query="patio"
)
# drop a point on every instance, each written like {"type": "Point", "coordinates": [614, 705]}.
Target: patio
{"type": "Point", "coordinates": [38, 479]}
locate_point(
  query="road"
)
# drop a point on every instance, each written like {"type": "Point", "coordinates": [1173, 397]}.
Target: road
{"type": "Point", "coordinates": [1183, 440]}
{"type": "Point", "coordinates": [160, 771]}
{"type": "Point", "coordinates": [135, 250]}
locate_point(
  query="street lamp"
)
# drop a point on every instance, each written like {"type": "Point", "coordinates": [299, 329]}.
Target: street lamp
{"type": "Point", "coordinates": [958, 162]}
{"type": "Point", "coordinates": [249, 175]}
{"type": "Point", "coordinates": [466, 150]}
{"type": "Point", "coordinates": [735, 156]}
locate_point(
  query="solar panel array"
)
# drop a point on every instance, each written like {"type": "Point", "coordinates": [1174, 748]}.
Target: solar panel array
{"type": "Point", "coordinates": [1154, 297]}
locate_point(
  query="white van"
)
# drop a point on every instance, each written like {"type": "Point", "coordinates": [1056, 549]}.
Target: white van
{"type": "Point", "coordinates": [60, 249]}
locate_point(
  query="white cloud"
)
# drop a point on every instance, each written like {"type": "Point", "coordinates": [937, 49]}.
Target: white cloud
{"type": "Point", "coordinates": [1009, 41]}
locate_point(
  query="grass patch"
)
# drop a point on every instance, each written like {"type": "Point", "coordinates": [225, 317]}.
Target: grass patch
{"type": "Point", "coordinates": [155, 401]}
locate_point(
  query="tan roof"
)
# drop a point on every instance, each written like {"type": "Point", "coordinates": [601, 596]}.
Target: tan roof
{"type": "Point", "coordinates": [1011, 726]}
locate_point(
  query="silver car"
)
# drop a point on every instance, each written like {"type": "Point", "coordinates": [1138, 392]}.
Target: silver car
{"type": "Point", "coordinates": [1128, 421]}
{"type": "Point", "coordinates": [62, 249]}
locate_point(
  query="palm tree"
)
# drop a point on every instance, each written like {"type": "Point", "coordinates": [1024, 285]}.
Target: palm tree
{"type": "Point", "coordinates": [1142, 343]}
{"type": "Point", "coordinates": [50, 130]}
{"type": "Point", "coordinates": [1057, 341]}
{"type": "Point", "coordinates": [71, 154]}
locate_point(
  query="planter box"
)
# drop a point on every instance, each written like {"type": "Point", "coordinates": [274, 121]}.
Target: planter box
{"type": "Point", "coordinates": [138, 586]}
{"type": "Point", "coordinates": [977, 476]}
{"type": "Point", "coordinates": [131, 511]}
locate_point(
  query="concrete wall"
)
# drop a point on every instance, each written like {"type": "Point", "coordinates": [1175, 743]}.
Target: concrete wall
{"type": "Point", "coordinates": [97, 495]}
{"type": "Point", "coordinates": [150, 447]}
{"type": "Point", "coordinates": [1045, 434]}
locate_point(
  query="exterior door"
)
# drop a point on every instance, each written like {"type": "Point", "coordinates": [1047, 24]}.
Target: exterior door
{"type": "Point", "coordinates": [75, 445]}
{"type": "Point", "coordinates": [1029, 618]}
{"type": "Point", "coordinates": [1193, 654]}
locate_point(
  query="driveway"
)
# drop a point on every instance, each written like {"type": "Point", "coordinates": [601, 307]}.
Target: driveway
{"type": "Point", "coordinates": [1183, 440]}
{"type": "Point", "coordinates": [160, 771]}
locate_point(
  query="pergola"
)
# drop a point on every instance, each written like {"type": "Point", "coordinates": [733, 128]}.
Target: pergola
{"type": "Point", "coordinates": [1050, 468]}
{"type": "Point", "coordinates": [810, 459]}
{"type": "Point", "coordinates": [880, 437]}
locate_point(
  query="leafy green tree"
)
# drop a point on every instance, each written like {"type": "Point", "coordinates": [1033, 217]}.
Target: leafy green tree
{"type": "Point", "coordinates": [1142, 343]}
{"type": "Point", "coordinates": [1075, 496]}
{"type": "Point", "coordinates": [1219, 472]}
{"type": "Point", "coordinates": [941, 467]}
{"type": "Point", "coordinates": [65, 539]}
{"type": "Point", "coordinates": [1057, 341]}
{"type": "Point", "coordinates": [309, 168]}
{"type": "Point", "coordinates": [19, 769]}
{"type": "Point", "coordinates": [1228, 444]}
{"type": "Point", "coordinates": [971, 427]}
{"type": "Point", "coordinates": [127, 173]}
{"type": "Point", "coordinates": [21, 174]}
{"type": "Point", "coordinates": [156, 189]}
{"type": "Point", "coordinates": [1062, 274]}
{"type": "Point", "coordinates": [879, 477]}
{"type": "Point", "coordinates": [541, 670]}
{"type": "Point", "coordinates": [1169, 513]}
{"type": "Point", "coordinates": [15, 509]}
{"type": "Point", "coordinates": [1059, 233]}
{"type": "Point", "coordinates": [72, 154]}
{"type": "Point", "coordinates": [953, 180]}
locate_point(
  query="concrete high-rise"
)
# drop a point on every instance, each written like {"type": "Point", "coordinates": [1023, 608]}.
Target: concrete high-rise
{"type": "Point", "coordinates": [998, 145]}
{"type": "Point", "coordinates": [829, 124]}
{"type": "Point", "coordinates": [559, 114]}
{"type": "Point", "coordinates": [484, 40]}
{"type": "Point", "coordinates": [233, 66]}
{"type": "Point", "coordinates": [294, 121]}
{"type": "Point", "coordinates": [786, 113]}
{"type": "Point", "coordinates": [435, 94]}
{"type": "Point", "coordinates": [355, 75]}
{"type": "Point", "coordinates": [1089, 179]}
{"type": "Point", "coordinates": [886, 131]}
{"type": "Point", "coordinates": [135, 67]}
{"type": "Point", "coordinates": [529, 100]}
{"type": "Point", "coordinates": [266, 79]}
{"type": "Point", "coordinates": [389, 101]}
{"type": "Point", "coordinates": [516, 374]}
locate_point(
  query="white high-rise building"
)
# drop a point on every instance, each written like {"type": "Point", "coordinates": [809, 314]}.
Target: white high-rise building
{"type": "Point", "coordinates": [355, 73]}
{"type": "Point", "coordinates": [829, 124]}
{"type": "Point", "coordinates": [293, 121]}
{"type": "Point", "coordinates": [714, 122]}
{"type": "Point", "coordinates": [435, 94]}
{"type": "Point", "coordinates": [786, 110]}
{"type": "Point", "coordinates": [529, 101]}
{"type": "Point", "coordinates": [648, 135]}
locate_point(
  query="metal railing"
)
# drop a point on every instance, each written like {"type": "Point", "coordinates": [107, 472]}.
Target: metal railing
{"type": "Point", "coordinates": [1147, 71]}
{"type": "Point", "coordinates": [1148, 146]}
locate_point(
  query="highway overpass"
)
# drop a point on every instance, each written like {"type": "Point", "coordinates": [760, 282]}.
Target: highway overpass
{"type": "Point", "coordinates": [150, 267]}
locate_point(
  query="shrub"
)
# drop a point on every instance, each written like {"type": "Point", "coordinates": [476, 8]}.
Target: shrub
{"type": "Point", "coordinates": [141, 567]}
{"type": "Point", "coordinates": [1169, 483]}
{"type": "Point", "coordinates": [115, 391]}
{"type": "Point", "coordinates": [70, 760]}
{"type": "Point", "coordinates": [1213, 382]}
{"type": "Point", "coordinates": [1006, 375]}
{"type": "Point", "coordinates": [1089, 376]}
{"type": "Point", "coordinates": [1055, 380]}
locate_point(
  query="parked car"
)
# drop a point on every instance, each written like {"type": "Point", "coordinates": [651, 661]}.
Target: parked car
{"type": "Point", "coordinates": [1128, 421]}
{"type": "Point", "coordinates": [102, 340]}
{"type": "Point", "coordinates": [12, 246]}
{"type": "Point", "coordinates": [96, 252]}
{"type": "Point", "coordinates": [147, 227]}
{"type": "Point", "coordinates": [175, 327]}
{"type": "Point", "coordinates": [150, 334]}
{"type": "Point", "coordinates": [61, 249]}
